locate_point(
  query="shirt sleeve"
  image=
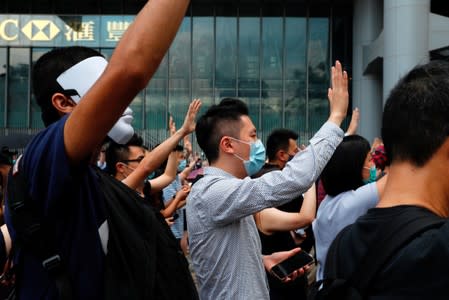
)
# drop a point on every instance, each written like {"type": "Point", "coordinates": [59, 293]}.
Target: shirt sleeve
{"type": "Point", "coordinates": [235, 198]}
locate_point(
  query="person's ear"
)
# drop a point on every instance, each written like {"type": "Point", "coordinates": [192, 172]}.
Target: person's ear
{"type": "Point", "coordinates": [226, 145]}
{"type": "Point", "coordinates": [62, 103]}
{"type": "Point", "coordinates": [282, 155]}
{"type": "Point", "coordinates": [120, 167]}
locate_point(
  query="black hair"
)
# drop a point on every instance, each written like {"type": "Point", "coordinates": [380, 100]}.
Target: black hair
{"type": "Point", "coordinates": [343, 172]}
{"type": "Point", "coordinates": [415, 121]}
{"type": "Point", "coordinates": [179, 148]}
{"type": "Point", "coordinates": [119, 152]}
{"type": "Point", "coordinates": [279, 139]}
{"type": "Point", "coordinates": [218, 121]}
{"type": "Point", "coordinates": [47, 69]}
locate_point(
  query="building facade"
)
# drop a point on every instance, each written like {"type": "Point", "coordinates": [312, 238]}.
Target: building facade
{"type": "Point", "coordinates": [275, 55]}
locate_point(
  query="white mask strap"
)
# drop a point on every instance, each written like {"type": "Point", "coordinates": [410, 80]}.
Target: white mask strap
{"type": "Point", "coordinates": [78, 79]}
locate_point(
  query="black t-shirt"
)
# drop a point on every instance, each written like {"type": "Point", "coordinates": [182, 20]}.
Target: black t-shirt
{"type": "Point", "coordinates": [418, 271]}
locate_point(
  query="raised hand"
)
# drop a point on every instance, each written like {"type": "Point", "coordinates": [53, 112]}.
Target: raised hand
{"type": "Point", "coordinates": [190, 119]}
{"type": "Point", "coordinates": [338, 94]}
{"type": "Point", "coordinates": [171, 126]}
{"type": "Point", "coordinates": [354, 124]}
{"type": "Point", "coordinates": [187, 146]}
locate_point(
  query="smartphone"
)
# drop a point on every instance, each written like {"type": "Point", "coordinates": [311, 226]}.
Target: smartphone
{"type": "Point", "coordinates": [175, 216]}
{"type": "Point", "coordinates": [291, 264]}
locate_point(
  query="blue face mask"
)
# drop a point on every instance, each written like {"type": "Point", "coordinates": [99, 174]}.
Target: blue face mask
{"type": "Point", "coordinates": [372, 175]}
{"type": "Point", "coordinates": [256, 157]}
{"type": "Point", "coordinates": [182, 165]}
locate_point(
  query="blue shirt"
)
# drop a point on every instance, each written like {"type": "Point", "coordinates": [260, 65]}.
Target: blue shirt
{"type": "Point", "coordinates": [69, 201]}
{"type": "Point", "coordinates": [224, 242]}
{"type": "Point", "coordinates": [335, 213]}
{"type": "Point", "coordinates": [169, 191]}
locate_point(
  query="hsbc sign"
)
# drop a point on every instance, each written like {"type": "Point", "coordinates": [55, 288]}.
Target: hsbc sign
{"type": "Point", "coordinates": [50, 31]}
{"type": "Point", "coordinates": [34, 30]}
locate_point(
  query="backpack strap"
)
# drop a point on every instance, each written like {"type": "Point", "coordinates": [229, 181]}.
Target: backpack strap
{"type": "Point", "coordinates": [32, 236]}
{"type": "Point", "coordinates": [394, 235]}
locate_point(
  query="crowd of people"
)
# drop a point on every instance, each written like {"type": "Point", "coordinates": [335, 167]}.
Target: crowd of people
{"type": "Point", "coordinates": [233, 214]}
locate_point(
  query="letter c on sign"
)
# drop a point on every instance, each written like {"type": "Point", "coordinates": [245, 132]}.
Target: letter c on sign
{"type": "Point", "coordinates": [3, 34]}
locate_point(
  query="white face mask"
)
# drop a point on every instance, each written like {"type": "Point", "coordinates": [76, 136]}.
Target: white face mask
{"type": "Point", "coordinates": [80, 78]}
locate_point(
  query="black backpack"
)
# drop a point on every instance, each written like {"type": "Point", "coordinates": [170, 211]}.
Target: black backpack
{"type": "Point", "coordinates": [144, 260]}
{"type": "Point", "coordinates": [400, 232]}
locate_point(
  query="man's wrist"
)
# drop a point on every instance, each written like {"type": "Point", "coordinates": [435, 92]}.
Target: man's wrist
{"type": "Point", "coordinates": [337, 118]}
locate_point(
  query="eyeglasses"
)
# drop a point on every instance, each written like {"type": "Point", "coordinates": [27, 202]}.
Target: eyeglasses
{"type": "Point", "coordinates": [137, 160]}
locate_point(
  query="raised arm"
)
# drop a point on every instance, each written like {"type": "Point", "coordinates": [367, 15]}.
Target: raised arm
{"type": "Point", "coordinates": [160, 182]}
{"type": "Point", "coordinates": [271, 220]}
{"type": "Point", "coordinates": [131, 66]}
{"type": "Point", "coordinates": [178, 201]}
{"type": "Point", "coordinates": [156, 157]}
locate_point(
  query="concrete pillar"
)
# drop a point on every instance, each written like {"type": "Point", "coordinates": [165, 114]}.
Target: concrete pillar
{"type": "Point", "coordinates": [406, 39]}
{"type": "Point", "coordinates": [366, 89]}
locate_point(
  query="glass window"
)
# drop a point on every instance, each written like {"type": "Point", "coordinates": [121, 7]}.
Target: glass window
{"type": "Point", "coordinates": [226, 57]}
{"type": "Point", "coordinates": [179, 72]}
{"type": "Point", "coordinates": [35, 110]}
{"type": "Point", "coordinates": [249, 65]}
{"type": "Point", "coordinates": [3, 70]}
{"type": "Point", "coordinates": [296, 75]}
{"type": "Point", "coordinates": [137, 107]}
{"type": "Point", "coordinates": [274, 57]}
{"type": "Point", "coordinates": [18, 73]}
{"type": "Point", "coordinates": [318, 66]}
{"type": "Point", "coordinates": [203, 58]}
{"type": "Point", "coordinates": [156, 104]}
{"type": "Point", "coordinates": [272, 65]}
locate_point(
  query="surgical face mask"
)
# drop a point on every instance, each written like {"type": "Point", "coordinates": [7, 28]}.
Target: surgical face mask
{"type": "Point", "coordinates": [182, 165]}
{"type": "Point", "coordinates": [80, 78]}
{"type": "Point", "coordinates": [256, 157]}
{"type": "Point", "coordinates": [372, 174]}
{"type": "Point", "coordinates": [101, 165]}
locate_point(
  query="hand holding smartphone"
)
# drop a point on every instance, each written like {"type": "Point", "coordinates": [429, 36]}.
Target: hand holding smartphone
{"type": "Point", "coordinates": [286, 267]}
